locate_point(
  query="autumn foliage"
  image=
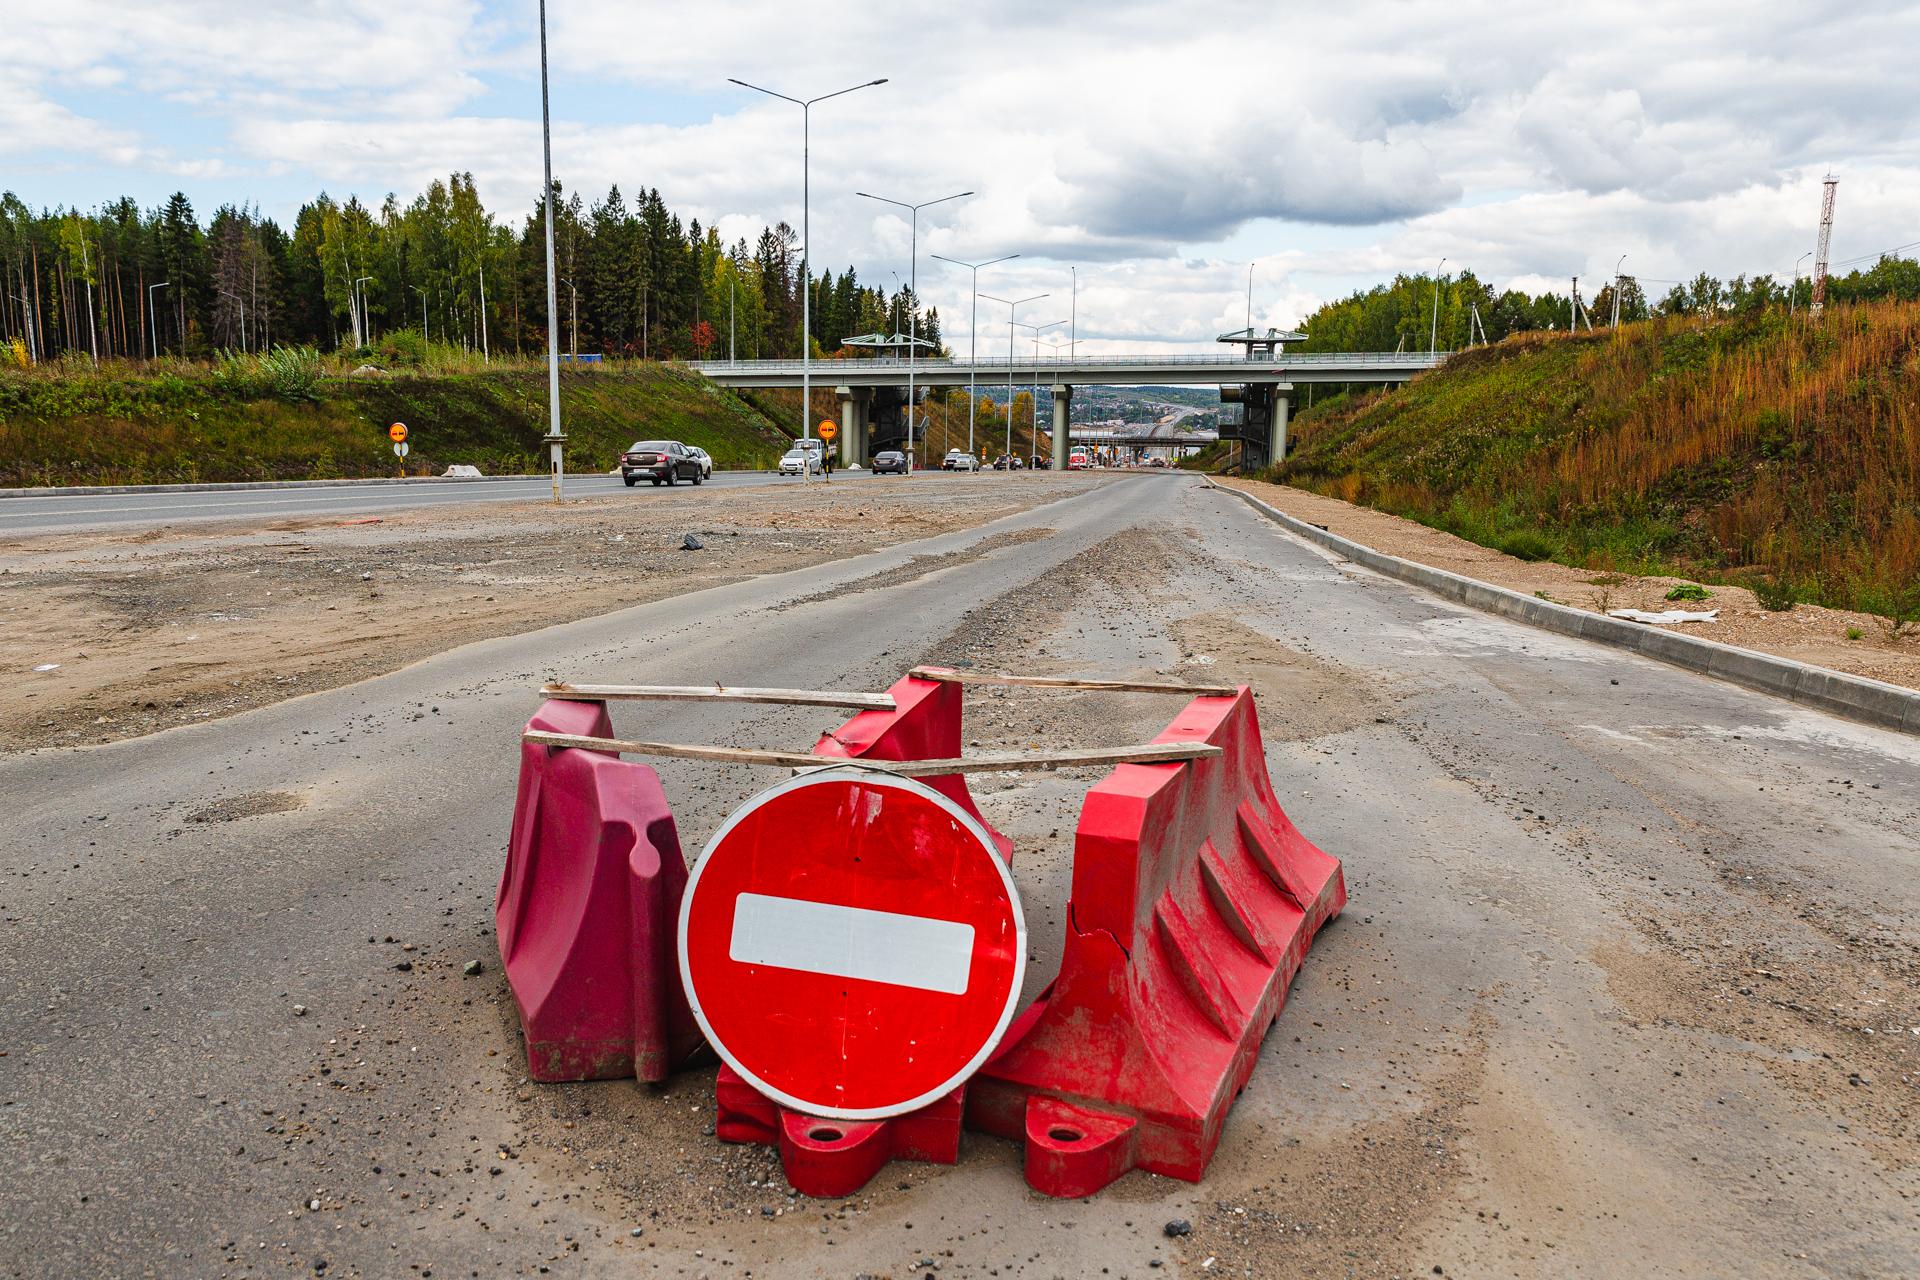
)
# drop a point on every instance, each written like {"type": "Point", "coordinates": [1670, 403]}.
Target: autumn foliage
{"type": "Point", "coordinates": [1760, 446]}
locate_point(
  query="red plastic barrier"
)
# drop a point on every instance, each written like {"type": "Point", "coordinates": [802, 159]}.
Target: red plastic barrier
{"type": "Point", "coordinates": [832, 1158]}
{"type": "Point", "coordinates": [587, 908]}
{"type": "Point", "coordinates": [1194, 900]}
{"type": "Point", "coordinates": [826, 1157]}
{"type": "Point", "coordinates": [923, 725]}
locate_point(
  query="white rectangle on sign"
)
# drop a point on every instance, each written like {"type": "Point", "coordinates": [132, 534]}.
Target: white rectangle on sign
{"type": "Point", "coordinates": [852, 942]}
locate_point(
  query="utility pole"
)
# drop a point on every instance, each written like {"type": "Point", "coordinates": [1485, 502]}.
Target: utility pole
{"type": "Point", "coordinates": [86, 269]}
{"type": "Point", "coordinates": [730, 292]}
{"type": "Point", "coordinates": [554, 439]}
{"type": "Point", "coordinates": [973, 343]}
{"type": "Point", "coordinates": [1433, 333]}
{"type": "Point", "coordinates": [1250, 305]}
{"type": "Point", "coordinates": [1826, 238]}
{"type": "Point", "coordinates": [152, 327]}
{"type": "Point", "coordinates": [486, 357]}
{"type": "Point", "coordinates": [1616, 291]}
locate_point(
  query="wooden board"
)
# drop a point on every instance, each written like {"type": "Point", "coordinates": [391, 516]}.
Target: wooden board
{"type": "Point", "coordinates": [1068, 682]}
{"type": "Point", "coordinates": [996, 762]}
{"type": "Point", "coordinates": [715, 693]}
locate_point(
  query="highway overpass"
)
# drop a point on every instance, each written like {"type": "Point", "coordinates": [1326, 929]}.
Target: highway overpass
{"type": "Point", "coordinates": [872, 391]}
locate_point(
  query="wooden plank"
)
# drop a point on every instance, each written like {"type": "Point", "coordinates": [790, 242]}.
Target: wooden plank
{"type": "Point", "coordinates": [996, 762]}
{"type": "Point", "coordinates": [569, 691]}
{"type": "Point", "coordinates": [1068, 682]}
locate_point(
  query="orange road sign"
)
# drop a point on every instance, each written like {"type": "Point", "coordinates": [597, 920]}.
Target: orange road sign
{"type": "Point", "coordinates": [397, 432]}
{"type": "Point", "coordinates": [827, 430]}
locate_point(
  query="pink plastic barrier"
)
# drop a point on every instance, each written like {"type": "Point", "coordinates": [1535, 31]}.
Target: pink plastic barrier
{"type": "Point", "coordinates": [1194, 900]}
{"type": "Point", "coordinates": [587, 908]}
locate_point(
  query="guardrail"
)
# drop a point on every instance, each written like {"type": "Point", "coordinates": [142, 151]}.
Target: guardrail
{"type": "Point", "coordinates": [1315, 360]}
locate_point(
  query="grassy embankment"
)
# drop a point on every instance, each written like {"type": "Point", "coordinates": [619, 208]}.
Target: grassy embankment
{"type": "Point", "coordinates": [1781, 454]}
{"type": "Point", "coordinates": [131, 424]}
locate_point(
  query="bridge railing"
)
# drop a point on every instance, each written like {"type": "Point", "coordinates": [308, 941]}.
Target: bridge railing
{"type": "Point", "coordinates": [1313, 360]}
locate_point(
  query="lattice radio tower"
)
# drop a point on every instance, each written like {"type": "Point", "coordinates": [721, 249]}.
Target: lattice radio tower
{"type": "Point", "coordinates": [1820, 253]}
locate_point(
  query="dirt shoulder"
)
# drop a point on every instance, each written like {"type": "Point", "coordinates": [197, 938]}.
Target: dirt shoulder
{"type": "Point", "coordinates": [142, 630]}
{"type": "Point", "coordinates": [1857, 643]}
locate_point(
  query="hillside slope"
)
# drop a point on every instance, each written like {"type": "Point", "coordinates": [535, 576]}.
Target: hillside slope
{"type": "Point", "coordinates": [1760, 449]}
{"type": "Point", "coordinates": [126, 426]}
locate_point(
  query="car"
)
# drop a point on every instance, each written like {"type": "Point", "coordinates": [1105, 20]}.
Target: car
{"type": "Point", "coordinates": [661, 461]}
{"type": "Point", "coordinates": [705, 459]}
{"type": "Point", "coordinates": [960, 462]}
{"type": "Point", "coordinates": [1002, 463]}
{"type": "Point", "coordinates": [1078, 460]}
{"type": "Point", "coordinates": [952, 460]}
{"type": "Point", "coordinates": [797, 461]}
{"type": "Point", "coordinates": [891, 461]}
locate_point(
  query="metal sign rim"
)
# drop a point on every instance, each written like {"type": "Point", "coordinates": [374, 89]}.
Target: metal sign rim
{"type": "Point", "coordinates": [866, 777]}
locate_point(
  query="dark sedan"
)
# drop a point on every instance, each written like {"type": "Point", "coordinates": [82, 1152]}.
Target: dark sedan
{"type": "Point", "coordinates": [661, 461]}
{"type": "Point", "coordinates": [890, 460]}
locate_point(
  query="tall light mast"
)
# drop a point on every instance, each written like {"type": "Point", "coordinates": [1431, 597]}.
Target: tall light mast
{"type": "Point", "coordinates": [1826, 237]}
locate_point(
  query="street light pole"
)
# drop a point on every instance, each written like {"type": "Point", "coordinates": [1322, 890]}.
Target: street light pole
{"type": "Point", "coordinates": [1616, 291]}
{"type": "Point", "coordinates": [973, 343]}
{"type": "Point", "coordinates": [573, 346]}
{"type": "Point", "coordinates": [806, 241]}
{"type": "Point", "coordinates": [1793, 294]}
{"type": "Point", "coordinates": [1012, 308]}
{"type": "Point", "coordinates": [913, 288]}
{"type": "Point", "coordinates": [554, 439]}
{"type": "Point", "coordinates": [153, 329]}
{"type": "Point", "coordinates": [1034, 403]}
{"type": "Point", "coordinates": [1433, 336]}
{"type": "Point", "coordinates": [358, 296]}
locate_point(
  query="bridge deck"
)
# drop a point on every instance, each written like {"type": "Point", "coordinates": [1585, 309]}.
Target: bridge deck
{"type": "Point", "coordinates": [1359, 366]}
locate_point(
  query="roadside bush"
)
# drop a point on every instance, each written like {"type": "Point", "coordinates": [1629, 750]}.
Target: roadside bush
{"type": "Point", "coordinates": [292, 373]}
{"type": "Point", "coordinates": [1689, 591]}
{"type": "Point", "coordinates": [239, 377]}
{"type": "Point", "coordinates": [1774, 594]}
{"type": "Point", "coordinates": [1528, 545]}
{"type": "Point", "coordinates": [406, 347]}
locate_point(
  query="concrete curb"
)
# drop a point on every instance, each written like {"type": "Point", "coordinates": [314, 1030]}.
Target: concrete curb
{"type": "Point", "coordinates": [102, 490]}
{"type": "Point", "coordinates": [1869, 701]}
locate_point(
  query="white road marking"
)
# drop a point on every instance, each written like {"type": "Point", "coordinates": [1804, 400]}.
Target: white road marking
{"type": "Point", "coordinates": [852, 942]}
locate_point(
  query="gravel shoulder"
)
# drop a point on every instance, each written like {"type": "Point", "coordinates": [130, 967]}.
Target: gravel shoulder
{"type": "Point", "coordinates": [143, 630]}
{"type": "Point", "coordinates": [1857, 643]}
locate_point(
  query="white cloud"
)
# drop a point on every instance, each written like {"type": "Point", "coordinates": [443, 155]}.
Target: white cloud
{"type": "Point", "coordinates": [1157, 146]}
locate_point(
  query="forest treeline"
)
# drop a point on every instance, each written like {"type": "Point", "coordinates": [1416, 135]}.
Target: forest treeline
{"type": "Point", "coordinates": [1402, 315]}
{"type": "Point", "coordinates": [636, 280]}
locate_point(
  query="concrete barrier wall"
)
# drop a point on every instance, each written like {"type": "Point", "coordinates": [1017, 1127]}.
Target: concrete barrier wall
{"type": "Point", "coordinates": [1856, 697]}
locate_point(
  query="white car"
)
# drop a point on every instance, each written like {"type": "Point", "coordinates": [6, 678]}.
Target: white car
{"type": "Point", "coordinates": [795, 462]}
{"type": "Point", "coordinates": [703, 458]}
{"type": "Point", "coordinates": [961, 462]}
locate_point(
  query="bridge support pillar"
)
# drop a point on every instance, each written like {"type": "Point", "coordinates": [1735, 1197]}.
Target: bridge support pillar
{"type": "Point", "coordinates": [854, 405]}
{"type": "Point", "coordinates": [1062, 402]}
{"type": "Point", "coordinates": [1282, 403]}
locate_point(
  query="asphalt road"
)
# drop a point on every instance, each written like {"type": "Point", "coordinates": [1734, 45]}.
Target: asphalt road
{"type": "Point", "coordinates": [32, 514]}
{"type": "Point", "coordinates": [1626, 985]}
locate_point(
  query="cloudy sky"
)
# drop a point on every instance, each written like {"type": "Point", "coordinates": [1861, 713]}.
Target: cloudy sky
{"type": "Point", "coordinates": [1159, 148]}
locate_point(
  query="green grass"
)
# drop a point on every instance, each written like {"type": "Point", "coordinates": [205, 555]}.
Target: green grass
{"type": "Point", "coordinates": [126, 425]}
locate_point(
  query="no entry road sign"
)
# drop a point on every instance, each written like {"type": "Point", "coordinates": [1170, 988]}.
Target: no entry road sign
{"type": "Point", "coordinates": [851, 944]}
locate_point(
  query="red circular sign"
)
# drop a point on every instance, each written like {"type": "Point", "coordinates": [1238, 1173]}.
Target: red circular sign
{"type": "Point", "coordinates": [851, 944]}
